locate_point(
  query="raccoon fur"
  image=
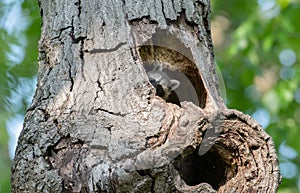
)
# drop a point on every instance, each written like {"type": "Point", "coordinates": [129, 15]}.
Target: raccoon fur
{"type": "Point", "coordinates": [164, 86]}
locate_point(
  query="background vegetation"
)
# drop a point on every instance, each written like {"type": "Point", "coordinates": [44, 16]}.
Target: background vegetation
{"type": "Point", "coordinates": [257, 46]}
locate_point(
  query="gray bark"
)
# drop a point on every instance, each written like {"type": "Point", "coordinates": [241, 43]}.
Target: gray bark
{"type": "Point", "coordinates": [95, 124]}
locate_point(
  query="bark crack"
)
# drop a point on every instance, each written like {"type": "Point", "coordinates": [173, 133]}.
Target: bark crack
{"type": "Point", "coordinates": [79, 7]}
{"type": "Point", "coordinates": [99, 86]}
{"type": "Point", "coordinates": [94, 51]}
{"type": "Point", "coordinates": [80, 40]}
{"type": "Point", "coordinates": [173, 6]}
{"type": "Point", "coordinates": [110, 112]}
{"type": "Point", "coordinates": [81, 55]}
{"type": "Point", "coordinates": [163, 10]}
{"type": "Point", "coordinates": [71, 78]}
{"type": "Point", "coordinates": [61, 31]}
{"type": "Point", "coordinates": [75, 39]}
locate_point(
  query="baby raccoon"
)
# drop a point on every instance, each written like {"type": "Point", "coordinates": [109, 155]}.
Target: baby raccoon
{"type": "Point", "coordinates": [163, 85]}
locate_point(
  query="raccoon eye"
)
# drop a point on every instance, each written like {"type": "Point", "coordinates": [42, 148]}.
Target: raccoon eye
{"type": "Point", "coordinates": [160, 91]}
{"type": "Point", "coordinates": [153, 82]}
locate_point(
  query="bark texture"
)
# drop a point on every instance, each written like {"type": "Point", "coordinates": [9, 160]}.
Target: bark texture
{"type": "Point", "coordinates": [95, 124]}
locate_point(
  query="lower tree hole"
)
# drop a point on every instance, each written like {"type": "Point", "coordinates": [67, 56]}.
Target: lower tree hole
{"type": "Point", "coordinates": [208, 168]}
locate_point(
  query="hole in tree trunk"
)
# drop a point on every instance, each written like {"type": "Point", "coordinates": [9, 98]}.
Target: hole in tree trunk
{"type": "Point", "coordinates": [208, 168]}
{"type": "Point", "coordinates": [177, 63]}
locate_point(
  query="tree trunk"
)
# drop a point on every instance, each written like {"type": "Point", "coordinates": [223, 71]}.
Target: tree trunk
{"type": "Point", "coordinates": [96, 125]}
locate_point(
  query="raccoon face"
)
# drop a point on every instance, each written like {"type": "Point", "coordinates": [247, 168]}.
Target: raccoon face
{"type": "Point", "coordinates": [162, 83]}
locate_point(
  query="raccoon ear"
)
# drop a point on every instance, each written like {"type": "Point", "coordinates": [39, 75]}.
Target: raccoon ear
{"type": "Point", "coordinates": [157, 67]}
{"type": "Point", "coordinates": [174, 84]}
{"type": "Point", "coordinates": [156, 76]}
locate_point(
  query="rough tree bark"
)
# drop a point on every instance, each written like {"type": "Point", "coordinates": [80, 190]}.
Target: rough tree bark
{"type": "Point", "coordinates": [95, 124]}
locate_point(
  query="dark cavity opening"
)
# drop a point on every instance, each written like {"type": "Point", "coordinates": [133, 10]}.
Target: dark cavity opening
{"type": "Point", "coordinates": [177, 63]}
{"type": "Point", "coordinates": [208, 168]}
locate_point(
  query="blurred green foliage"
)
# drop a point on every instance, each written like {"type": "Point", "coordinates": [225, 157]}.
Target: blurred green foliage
{"type": "Point", "coordinates": [249, 37]}
{"type": "Point", "coordinates": [19, 34]}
